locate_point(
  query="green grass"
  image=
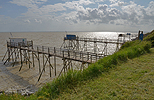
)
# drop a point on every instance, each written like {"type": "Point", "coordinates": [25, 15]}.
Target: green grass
{"type": "Point", "coordinates": [150, 38]}
{"type": "Point", "coordinates": [17, 97]}
{"type": "Point", "coordinates": [131, 80]}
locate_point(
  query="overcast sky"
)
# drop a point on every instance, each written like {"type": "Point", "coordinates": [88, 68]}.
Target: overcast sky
{"type": "Point", "coordinates": [76, 15]}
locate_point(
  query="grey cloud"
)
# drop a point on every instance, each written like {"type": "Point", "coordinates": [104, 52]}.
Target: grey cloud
{"type": "Point", "coordinates": [102, 7]}
{"type": "Point", "coordinates": [100, 15]}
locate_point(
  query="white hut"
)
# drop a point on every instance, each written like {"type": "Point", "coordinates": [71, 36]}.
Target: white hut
{"type": "Point", "coordinates": [16, 41]}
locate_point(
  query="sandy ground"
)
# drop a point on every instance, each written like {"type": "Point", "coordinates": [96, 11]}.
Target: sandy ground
{"type": "Point", "coordinates": [11, 77]}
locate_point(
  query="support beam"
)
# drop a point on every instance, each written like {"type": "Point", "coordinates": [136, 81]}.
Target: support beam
{"type": "Point", "coordinates": [9, 57]}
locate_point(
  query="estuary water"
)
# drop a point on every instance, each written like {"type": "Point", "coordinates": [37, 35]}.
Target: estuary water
{"type": "Point", "coordinates": [10, 77]}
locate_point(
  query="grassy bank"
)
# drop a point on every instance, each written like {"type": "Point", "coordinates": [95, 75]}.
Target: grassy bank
{"type": "Point", "coordinates": [104, 72]}
{"type": "Point", "coordinates": [132, 80]}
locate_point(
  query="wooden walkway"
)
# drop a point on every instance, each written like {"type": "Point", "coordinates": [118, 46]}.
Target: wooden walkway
{"type": "Point", "coordinates": [71, 50]}
{"type": "Point", "coordinates": [113, 41]}
{"type": "Point", "coordinates": [85, 57]}
{"type": "Point", "coordinates": [27, 52]}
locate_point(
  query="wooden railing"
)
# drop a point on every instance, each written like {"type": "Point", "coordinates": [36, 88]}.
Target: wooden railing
{"type": "Point", "coordinates": [81, 56]}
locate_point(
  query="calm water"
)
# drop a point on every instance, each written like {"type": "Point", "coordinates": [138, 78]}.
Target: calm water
{"type": "Point", "coordinates": [10, 76]}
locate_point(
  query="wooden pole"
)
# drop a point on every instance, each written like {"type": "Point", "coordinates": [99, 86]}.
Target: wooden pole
{"type": "Point", "coordinates": [49, 61]}
{"type": "Point", "coordinates": [18, 53]}
{"type": "Point", "coordinates": [25, 57]}
{"type": "Point", "coordinates": [75, 54]}
{"type": "Point", "coordinates": [55, 59]}
{"type": "Point", "coordinates": [77, 43]}
{"type": "Point", "coordinates": [33, 54]}
{"type": "Point", "coordinates": [117, 49]}
{"type": "Point", "coordinates": [106, 49]}
{"type": "Point", "coordinates": [68, 52]}
{"type": "Point", "coordinates": [82, 62]}
{"type": "Point", "coordinates": [12, 55]}
{"type": "Point", "coordinates": [8, 57]}
{"type": "Point", "coordinates": [91, 58]}
{"type": "Point", "coordinates": [64, 63]}
{"type": "Point", "coordinates": [15, 54]}
{"type": "Point", "coordinates": [87, 56]}
{"type": "Point", "coordinates": [43, 57]}
{"type": "Point", "coordinates": [8, 52]}
{"type": "Point", "coordinates": [39, 60]}
{"type": "Point", "coordinates": [28, 55]}
{"type": "Point", "coordinates": [21, 59]}
{"type": "Point", "coordinates": [5, 55]}
{"type": "Point", "coordinates": [80, 54]}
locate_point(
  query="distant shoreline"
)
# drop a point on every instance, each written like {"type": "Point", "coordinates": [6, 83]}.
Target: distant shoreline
{"type": "Point", "coordinates": [70, 31]}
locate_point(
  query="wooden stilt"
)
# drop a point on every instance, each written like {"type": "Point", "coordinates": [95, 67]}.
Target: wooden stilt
{"type": "Point", "coordinates": [8, 53]}
{"type": "Point", "coordinates": [82, 62]}
{"type": "Point", "coordinates": [5, 55]}
{"type": "Point", "coordinates": [43, 69]}
{"type": "Point", "coordinates": [64, 64]}
{"type": "Point", "coordinates": [49, 61]}
{"type": "Point", "coordinates": [12, 54]}
{"type": "Point", "coordinates": [40, 75]}
{"type": "Point", "coordinates": [25, 57]}
{"type": "Point", "coordinates": [8, 57]}
{"type": "Point", "coordinates": [15, 56]}
{"type": "Point", "coordinates": [43, 56]}
{"type": "Point", "coordinates": [21, 59]}
{"type": "Point", "coordinates": [55, 59]}
{"type": "Point", "coordinates": [18, 53]}
{"type": "Point", "coordinates": [33, 56]}
{"type": "Point", "coordinates": [39, 60]}
{"type": "Point", "coordinates": [28, 55]}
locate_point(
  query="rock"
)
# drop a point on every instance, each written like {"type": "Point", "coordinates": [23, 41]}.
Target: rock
{"type": "Point", "coordinates": [11, 90]}
{"type": "Point", "coordinates": [23, 91]}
